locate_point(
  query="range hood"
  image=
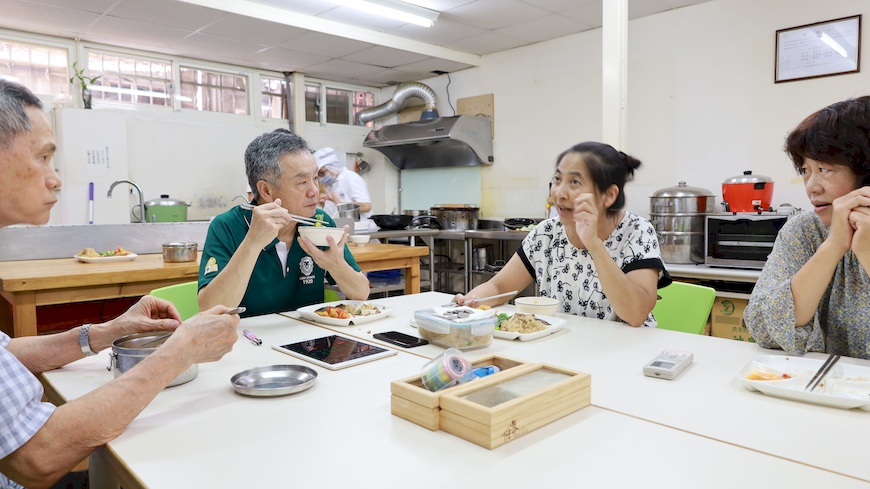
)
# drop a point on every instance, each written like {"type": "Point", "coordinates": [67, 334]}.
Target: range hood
{"type": "Point", "coordinates": [464, 140]}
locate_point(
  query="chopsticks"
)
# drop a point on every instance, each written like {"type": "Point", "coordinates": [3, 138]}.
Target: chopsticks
{"type": "Point", "coordinates": [293, 217]}
{"type": "Point", "coordinates": [513, 292]}
{"type": "Point", "coordinates": [822, 372]}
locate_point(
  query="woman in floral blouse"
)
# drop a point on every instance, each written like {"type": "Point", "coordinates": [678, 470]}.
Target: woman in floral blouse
{"type": "Point", "coordinates": [598, 260]}
{"type": "Point", "coordinates": [814, 292]}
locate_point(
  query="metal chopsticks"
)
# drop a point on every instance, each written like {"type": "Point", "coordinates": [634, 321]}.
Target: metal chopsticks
{"type": "Point", "coordinates": [513, 292]}
{"type": "Point", "coordinates": [294, 217]}
{"type": "Point", "coordinates": [822, 372]}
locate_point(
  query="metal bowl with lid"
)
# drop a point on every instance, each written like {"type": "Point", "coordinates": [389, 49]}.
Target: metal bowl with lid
{"type": "Point", "coordinates": [679, 214]}
{"type": "Point", "coordinates": [179, 252]}
{"type": "Point", "coordinates": [129, 350]}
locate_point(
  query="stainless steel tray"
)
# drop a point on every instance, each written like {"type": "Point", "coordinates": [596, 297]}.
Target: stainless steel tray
{"type": "Point", "coordinates": [274, 380]}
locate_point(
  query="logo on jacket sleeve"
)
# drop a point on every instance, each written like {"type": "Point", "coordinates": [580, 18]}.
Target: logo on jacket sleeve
{"type": "Point", "coordinates": [211, 266]}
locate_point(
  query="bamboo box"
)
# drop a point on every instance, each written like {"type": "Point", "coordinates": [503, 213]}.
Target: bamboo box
{"type": "Point", "coordinates": [413, 402]}
{"type": "Point", "coordinates": [495, 410]}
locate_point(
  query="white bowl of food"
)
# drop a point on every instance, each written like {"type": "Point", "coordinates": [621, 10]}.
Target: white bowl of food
{"type": "Point", "coordinates": [544, 306]}
{"type": "Point", "coordinates": [360, 239]}
{"type": "Point", "coordinates": [318, 234]}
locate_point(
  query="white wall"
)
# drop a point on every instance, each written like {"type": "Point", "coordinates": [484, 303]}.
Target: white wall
{"type": "Point", "coordinates": [702, 104]}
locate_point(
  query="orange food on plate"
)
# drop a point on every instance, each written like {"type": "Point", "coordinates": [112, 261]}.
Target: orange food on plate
{"type": "Point", "coordinates": [333, 312]}
{"type": "Point", "coordinates": [760, 375]}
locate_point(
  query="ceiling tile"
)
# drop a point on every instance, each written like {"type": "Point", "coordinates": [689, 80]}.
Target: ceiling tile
{"type": "Point", "coordinates": [386, 57]}
{"type": "Point", "coordinates": [283, 60]}
{"type": "Point", "coordinates": [543, 28]}
{"type": "Point", "coordinates": [443, 32]}
{"type": "Point", "coordinates": [253, 30]}
{"type": "Point", "coordinates": [93, 6]}
{"type": "Point", "coordinates": [647, 7]}
{"type": "Point", "coordinates": [169, 13]}
{"type": "Point", "coordinates": [486, 43]}
{"type": "Point", "coordinates": [305, 7]}
{"type": "Point", "coordinates": [433, 64]}
{"type": "Point", "coordinates": [438, 5]}
{"type": "Point", "coordinates": [324, 45]}
{"type": "Point", "coordinates": [388, 77]}
{"type": "Point", "coordinates": [560, 5]}
{"type": "Point", "coordinates": [44, 19]}
{"type": "Point", "coordinates": [588, 14]}
{"type": "Point", "coordinates": [133, 34]}
{"type": "Point", "coordinates": [214, 45]}
{"type": "Point", "coordinates": [492, 14]}
{"type": "Point", "coordinates": [342, 66]}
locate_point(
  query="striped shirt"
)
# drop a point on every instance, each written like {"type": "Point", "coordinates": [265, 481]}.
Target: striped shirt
{"type": "Point", "coordinates": [21, 412]}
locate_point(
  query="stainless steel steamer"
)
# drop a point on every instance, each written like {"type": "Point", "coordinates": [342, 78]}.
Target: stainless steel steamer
{"type": "Point", "coordinates": [679, 215]}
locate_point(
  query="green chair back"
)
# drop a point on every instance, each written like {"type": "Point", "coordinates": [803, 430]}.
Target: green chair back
{"type": "Point", "coordinates": [183, 296]}
{"type": "Point", "coordinates": [330, 295]}
{"type": "Point", "coordinates": [684, 307]}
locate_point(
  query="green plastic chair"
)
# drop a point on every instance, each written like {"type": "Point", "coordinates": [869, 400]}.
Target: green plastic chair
{"type": "Point", "coordinates": [684, 307]}
{"type": "Point", "coordinates": [183, 296]}
{"type": "Point", "coordinates": [330, 295]}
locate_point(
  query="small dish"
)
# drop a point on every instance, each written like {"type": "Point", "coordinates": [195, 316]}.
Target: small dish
{"type": "Point", "coordinates": [537, 305]}
{"type": "Point", "coordinates": [360, 239]}
{"type": "Point", "coordinates": [554, 324]}
{"type": "Point", "coordinates": [274, 380]}
{"type": "Point", "coordinates": [318, 234]}
{"type": "Point", "coordinates": [105, 259]}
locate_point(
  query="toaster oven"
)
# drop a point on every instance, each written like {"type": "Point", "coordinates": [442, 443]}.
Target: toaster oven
{"type": "Point", "coordinates": [741, 240]}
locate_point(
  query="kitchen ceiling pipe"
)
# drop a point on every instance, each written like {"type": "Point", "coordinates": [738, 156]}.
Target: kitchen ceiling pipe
{"type": "Point", "coordinates": [404, 91]}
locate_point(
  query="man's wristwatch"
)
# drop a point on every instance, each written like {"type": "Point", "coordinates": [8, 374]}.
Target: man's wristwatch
{"type": "Point", "coordinates": [84, 340]}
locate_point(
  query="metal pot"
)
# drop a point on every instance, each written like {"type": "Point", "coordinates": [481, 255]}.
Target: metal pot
{"type": "Point", "coordinates": [348, 211]}
{"type": "Point", "coordinates": [459, 217]}
{"type": "Point", "coordinates": [127, 351]}
{"type": "Point", "coordinates": [165, 209]}
{"type": "Point", "coordinates": [747, 193]}
{"type": "Point", "coordinates": [426, 222]}
{"type": "Point", "coordinates": [679, 215]}
{"type": "Point", "coordinates": [179, 252]}
{"type": "Point", "coordinates": [415, 213]}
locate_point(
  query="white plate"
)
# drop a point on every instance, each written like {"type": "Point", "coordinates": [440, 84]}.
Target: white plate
{"type": "Point", "coordinates": [801, 370]}
{"type": "Point", "coordinates": [105, 259]}
{"type": "Point", "coordinates": [555, 325]}
{"type": "Point", "coordinates": [307, 312]}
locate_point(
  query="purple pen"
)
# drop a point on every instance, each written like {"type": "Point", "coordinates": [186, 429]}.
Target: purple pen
{"type": "Point", "coordinates": [254, 339]}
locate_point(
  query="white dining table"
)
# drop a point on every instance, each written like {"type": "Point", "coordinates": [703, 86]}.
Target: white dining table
{"type": "Point", "coordinates": [701, 430]}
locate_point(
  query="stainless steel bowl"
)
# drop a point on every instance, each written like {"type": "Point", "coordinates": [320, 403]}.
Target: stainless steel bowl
{"type": "Point", "coordinates": [179, 252]}
{"type": "Point", "coordinates": [127, 351]}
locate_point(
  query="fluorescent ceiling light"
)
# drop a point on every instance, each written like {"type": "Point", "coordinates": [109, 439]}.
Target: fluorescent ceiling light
{"type": "Point", "coordinates": [833, 44]}
{"type": "Point", "coordinates": [394, 9]}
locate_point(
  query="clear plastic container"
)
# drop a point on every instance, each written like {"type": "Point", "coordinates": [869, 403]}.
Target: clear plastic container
{"type": "Point", "coordinates": [449, 333]}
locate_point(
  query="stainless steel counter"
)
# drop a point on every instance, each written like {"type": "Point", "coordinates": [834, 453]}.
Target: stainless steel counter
{"type": "Point", "coordinates": [705, 272]}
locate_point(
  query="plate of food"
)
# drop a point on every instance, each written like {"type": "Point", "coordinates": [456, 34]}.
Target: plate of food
{"type": "Point", "coordinates": [525, 327]}
{"type": "Point", "coordinates": [847, 386]}
{"type": "Point", "coordinates": [344, 313]}
{"type": "Point", "coordinates": [90, 255]}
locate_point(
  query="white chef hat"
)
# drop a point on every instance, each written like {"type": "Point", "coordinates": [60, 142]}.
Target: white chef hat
{"type": "Point", "coordinates": [330, 158]}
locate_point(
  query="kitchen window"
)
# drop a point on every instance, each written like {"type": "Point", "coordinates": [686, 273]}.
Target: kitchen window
{"type": "Point", "coordinates": [42, 69]}
{"type": "Point", "coordinates": [213, 91]}
{"type": "Point", "coordinates": [342, 104]}
{"type": "Point", "coordinates": [130, 80]}
{"type": "Point", "coordinates": [272, 97]}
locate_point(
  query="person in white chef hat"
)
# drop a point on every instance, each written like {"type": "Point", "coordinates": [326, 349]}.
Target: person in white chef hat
{"type": "Point", "coordinates": [341, 186]}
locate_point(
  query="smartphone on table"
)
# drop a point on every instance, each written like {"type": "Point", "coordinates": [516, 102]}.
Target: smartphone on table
{"type": "Point", "coordinates": [400, 339]}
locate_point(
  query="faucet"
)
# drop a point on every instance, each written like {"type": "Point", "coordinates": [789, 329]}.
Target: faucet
{"type": "Point", "coordinates": [141, 199]}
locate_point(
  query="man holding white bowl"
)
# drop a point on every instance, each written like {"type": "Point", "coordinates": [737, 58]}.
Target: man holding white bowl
{"type": "Point", "coordinates": [254, 255]}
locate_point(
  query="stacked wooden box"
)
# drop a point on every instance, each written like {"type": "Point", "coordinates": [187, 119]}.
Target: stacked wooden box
{"type": "Point", "coordinates": [498, 408]}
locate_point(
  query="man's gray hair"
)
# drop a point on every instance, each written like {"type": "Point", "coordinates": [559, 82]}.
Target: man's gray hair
{"type": "Point", "coordinates": [263, 155]}
{"type": "Point", "coordinates": [14, 99]}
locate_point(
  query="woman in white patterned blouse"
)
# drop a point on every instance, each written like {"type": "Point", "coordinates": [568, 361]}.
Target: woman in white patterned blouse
{"type": "Point", "coordinates": [814, 291]}
{"type": "Point", "coordinates": [595, 258]}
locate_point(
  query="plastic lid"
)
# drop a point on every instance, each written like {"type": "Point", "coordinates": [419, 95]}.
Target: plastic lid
{"type": "Point", "coordinates": [165, 200]}
{"type": "Point", "coordinates": [683, 190]}
{"type": "Point", "coordinates": [427, 319]}
{"type": "Point", "coordinates": [748, 177]}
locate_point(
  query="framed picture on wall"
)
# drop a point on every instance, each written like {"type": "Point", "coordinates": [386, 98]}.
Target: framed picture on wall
{"type": "Point", "coordinates": [825, 48]}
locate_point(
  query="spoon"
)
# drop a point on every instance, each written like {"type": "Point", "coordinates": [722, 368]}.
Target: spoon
{"type": "Point", "coordinates": [162, 338]}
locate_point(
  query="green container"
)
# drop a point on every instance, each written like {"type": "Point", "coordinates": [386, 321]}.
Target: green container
{"type": "Point", "coordinates": [165, 209]}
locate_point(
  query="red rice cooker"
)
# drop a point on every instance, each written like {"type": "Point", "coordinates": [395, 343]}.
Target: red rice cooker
{"type": "Point", "coordinates": [747, 193]}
